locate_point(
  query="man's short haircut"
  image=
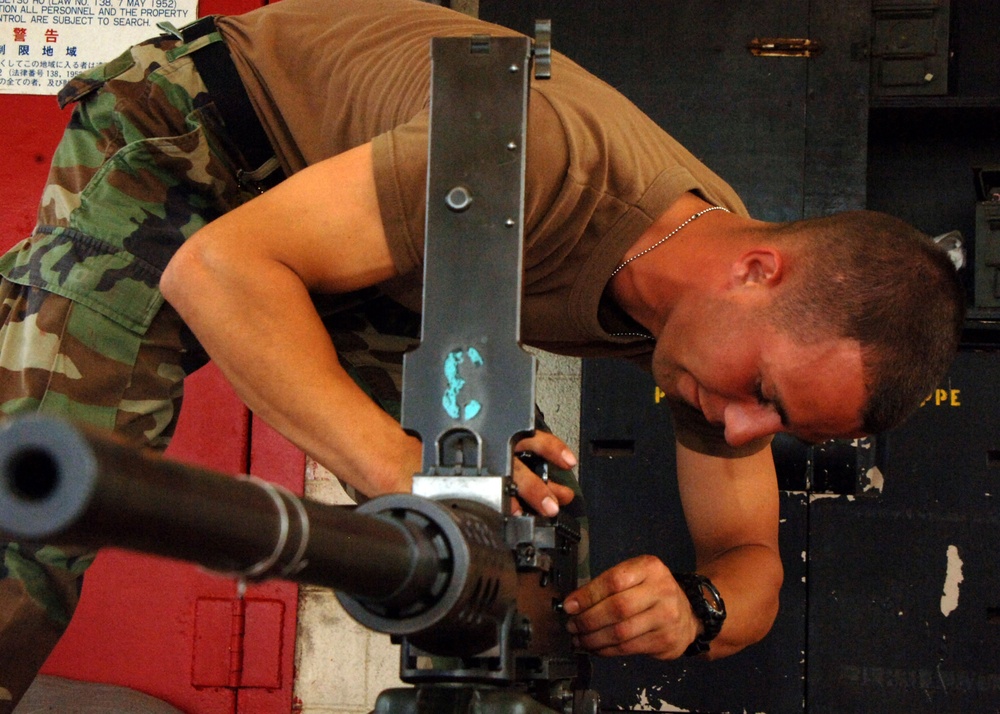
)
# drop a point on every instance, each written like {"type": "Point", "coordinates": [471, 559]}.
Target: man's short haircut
{"type": "Point", "coordinates": [874, 278]}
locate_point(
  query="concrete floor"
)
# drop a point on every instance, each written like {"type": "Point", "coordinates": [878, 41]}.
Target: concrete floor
{"type": "Point", "coordinates": [55, 695]}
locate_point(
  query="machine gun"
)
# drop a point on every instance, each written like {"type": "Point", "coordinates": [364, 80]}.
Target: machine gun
{"type": "Point", "coordinates": [471, 592]}
{"type": "Point", "coordinates": [471, 595]}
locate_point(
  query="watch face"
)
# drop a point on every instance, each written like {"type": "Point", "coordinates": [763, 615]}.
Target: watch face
{"type": "Point", "coordinates": [712, 599]}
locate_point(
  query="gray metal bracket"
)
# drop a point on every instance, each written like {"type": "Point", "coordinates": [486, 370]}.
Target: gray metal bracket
{"type": "Point", "coordinates": [468, 389]}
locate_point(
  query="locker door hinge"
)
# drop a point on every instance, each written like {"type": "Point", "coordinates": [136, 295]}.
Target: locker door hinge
{"type": "Point", "coordinates": [237, 643]}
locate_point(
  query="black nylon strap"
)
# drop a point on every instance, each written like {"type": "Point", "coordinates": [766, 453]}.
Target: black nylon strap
{"type": "Point", "coordinates": [227, 91]}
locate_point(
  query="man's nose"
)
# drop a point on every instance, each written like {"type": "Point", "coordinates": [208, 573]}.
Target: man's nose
{"type": "Point", "coordinates": [746, 421]}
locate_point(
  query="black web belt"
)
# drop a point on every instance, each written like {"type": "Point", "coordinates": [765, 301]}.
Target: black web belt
{"type": "Point", "coordinates": [230, 96]}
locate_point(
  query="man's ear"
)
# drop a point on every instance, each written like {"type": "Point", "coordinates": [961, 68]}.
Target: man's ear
{"type": "Point", "coordinates": [759, 266]}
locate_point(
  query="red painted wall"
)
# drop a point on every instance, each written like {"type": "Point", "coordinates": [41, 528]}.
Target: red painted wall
{"type": "Point", "coordinates": [162, 627]}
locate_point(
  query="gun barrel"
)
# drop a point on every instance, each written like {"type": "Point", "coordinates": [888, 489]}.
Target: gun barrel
{"type": "Point", "coordinates": [68, 484]}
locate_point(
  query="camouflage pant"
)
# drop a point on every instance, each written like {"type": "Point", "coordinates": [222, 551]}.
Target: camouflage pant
{"type": "Point", "coordinates": [84, 331]}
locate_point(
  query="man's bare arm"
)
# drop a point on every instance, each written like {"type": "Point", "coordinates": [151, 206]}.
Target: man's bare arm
{"type": "Point", "coordinates": [731, 506]}
{"type": "Point", "coordinates": [637, 607]}
{"type": "Point", "coordinates": [243, 285]}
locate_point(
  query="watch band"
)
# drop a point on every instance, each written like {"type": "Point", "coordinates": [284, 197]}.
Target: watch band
{"type": "Point", "coordinates": [708, 607]}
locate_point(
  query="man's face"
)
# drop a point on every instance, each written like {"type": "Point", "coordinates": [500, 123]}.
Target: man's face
{"type": "Point", "coordinates": [755, 380]}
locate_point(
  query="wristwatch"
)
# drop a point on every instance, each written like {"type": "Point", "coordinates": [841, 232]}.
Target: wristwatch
{"type": "Point", "coordinates": [708, 607]}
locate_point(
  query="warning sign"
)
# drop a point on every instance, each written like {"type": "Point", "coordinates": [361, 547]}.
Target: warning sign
{"type": "Point", "coordinates": [45, 43]}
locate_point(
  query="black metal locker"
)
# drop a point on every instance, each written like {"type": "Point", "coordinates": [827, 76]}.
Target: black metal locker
{"type": "Point", "coordinates": [904, 583]}
{"type": "Point", "coordinates": [867, 529]}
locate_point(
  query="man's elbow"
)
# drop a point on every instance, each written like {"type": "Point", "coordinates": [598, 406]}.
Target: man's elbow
{"type": "Point", "coordinates": [756, 617]}
{"type": "Point", "coordinates": [770, 601]}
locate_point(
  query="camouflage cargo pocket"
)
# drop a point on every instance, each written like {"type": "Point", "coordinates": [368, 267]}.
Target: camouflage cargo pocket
{"type": "Point", "coordinates": [62, 358]}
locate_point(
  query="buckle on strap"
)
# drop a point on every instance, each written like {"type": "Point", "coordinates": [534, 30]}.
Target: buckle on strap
{"type": "Point", "coordinates": [168, 29]}
{"type": "Point", "coordinates": [265, 176]}
{"type": "Point", "coordinates": [190, 32]}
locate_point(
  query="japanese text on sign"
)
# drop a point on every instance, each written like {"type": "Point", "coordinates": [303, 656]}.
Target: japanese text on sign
{"type": "Point", "coordinates": [45, 43]}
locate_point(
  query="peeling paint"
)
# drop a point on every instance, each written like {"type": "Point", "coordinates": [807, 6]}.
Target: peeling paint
{"type": "Point", "coordinates": [876, 481]}
{"type": "Point", "coordinates": [953, 576]}
{"type": "Point", "coordinates": [818, 496]}
{"type": "Point", "coordinates": [644, 704]}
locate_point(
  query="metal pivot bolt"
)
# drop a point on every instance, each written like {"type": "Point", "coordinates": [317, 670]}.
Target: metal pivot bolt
{"type": "Point", "coordinates": [521, 632]}
{"type": "Point", "coordinates": [458, 199]}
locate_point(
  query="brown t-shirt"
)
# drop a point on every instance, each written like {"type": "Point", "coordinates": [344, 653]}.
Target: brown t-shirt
{"type": "Point", "coordinates": [328, 75]}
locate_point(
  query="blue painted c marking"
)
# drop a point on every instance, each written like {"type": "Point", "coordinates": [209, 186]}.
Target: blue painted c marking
{"type": "Point", "coordinates": [455, 383]}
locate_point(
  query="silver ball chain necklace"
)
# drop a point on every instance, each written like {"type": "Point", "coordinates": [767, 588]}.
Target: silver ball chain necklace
{"type": "Point", "coordinates": [655, 245]}
{"type": "Point", "coordinates": [669, 235]}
